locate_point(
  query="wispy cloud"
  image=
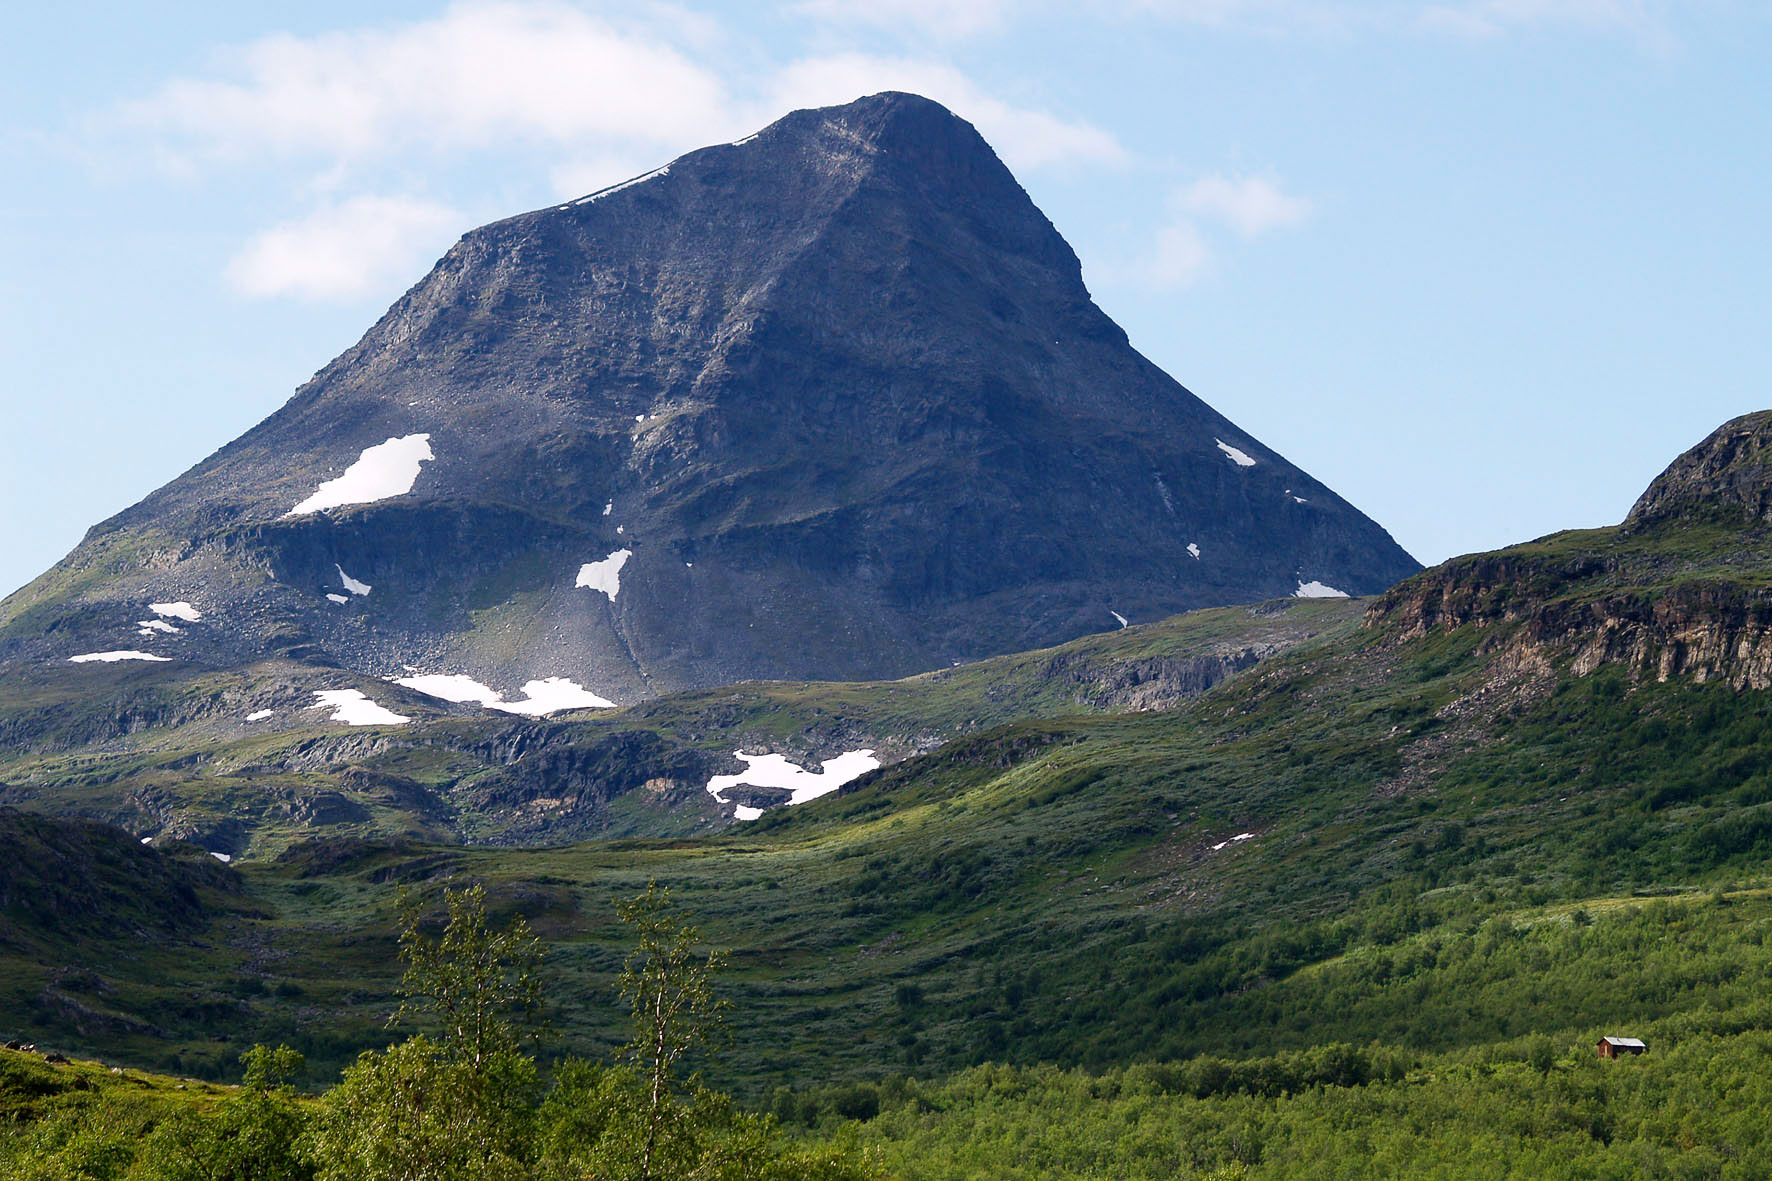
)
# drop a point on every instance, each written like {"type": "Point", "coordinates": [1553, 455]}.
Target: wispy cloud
{"type": "Point", "coordinates": [1250, 205]}
{"type": "Point", "coordinates": [488, 72]}
{"type": "Point", "coordinates": [1025, 137]}
{"type": "Point", "coordinates": [1267, 16]}
{"type": "Point", "coordinates": [942, 19]}
{"type": "Point", "coordinates": [476, 76]}
{"type": "Point", "coordinates": [344, 251]}
{"type": "Point", "coordinates": [1645, 20]}
{"type": "Point", "coordinates": [1182, 254]}
{"type": "Point", "coordinates": [1642, 19]}
{"type": "Point", "coordinates": [360, 110]}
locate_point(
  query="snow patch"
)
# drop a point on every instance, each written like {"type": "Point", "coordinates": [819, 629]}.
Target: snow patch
{"type": "Point", "coordinates": [553, 694]}
{"type": "Point", "coordinates": [221, 857]}
{"type": "Point", "coordinates": [1120, 617]}
{"type": "Point", "coordinates": [1242, 836]}
{"type": "Point", "coordinates": [150, 626]}
{"type": "Point", "coordinates": [384, 470]}
{"type": "Point", "coordinates": [540, 698]}
{"type": "Point", "coordinates": [338, 598]}
{"type": "Point", "coordinates": [351, 584]}
{"type": "Point", "coordinates": [745, 812]}
{"type": "Point", "coordinates": [1194, 549]}
{"type": "Point", "coordinates": [776, 771]}
{"type": "Point", "coordinates": [605, 576]}
{"type": "Point", "coordinates": [739, 143]}
{"type": "Point", "coordinates": [626, 184]}
{"type": "Point", "coordinates": [608, 507]}
{"type": "Point", "coordinates": [1317, 590]}
{"type": "Point", "coordinates": [457, 687]}
{"type": "Point", "coordinates": [353, 708]}
{"type": "Point", "coordinates": [259, 715]}
{"type": "Point", "coordinates": [182, 611]}
{"type": "Point", "coordinates": [114, 657]}
{"type": "Point", "coordinates": [1300, 500]}
{"type": "Point", "coordinates": [1240, 458]}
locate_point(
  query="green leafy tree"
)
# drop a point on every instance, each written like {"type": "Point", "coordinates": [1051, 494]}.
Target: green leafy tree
{"type": "Point", "coordinates": [419, 1112]}
{"type": "Point", "coordinates": [457, 1106]}
{"type": "Point", "coordinates": [643, 1119]}
{"type": "Point", "coordinates": [89, 1139]}
{"type": "Point", "coordinates": [670, 987]}
{"type": "Point", "coordinates": [480, 989]}
{"type": "Point", "coordinates": [256, 1134]}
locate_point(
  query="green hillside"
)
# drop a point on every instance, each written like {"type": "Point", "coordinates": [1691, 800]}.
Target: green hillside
{"type": "Point", "coordinates": [1522, 800]}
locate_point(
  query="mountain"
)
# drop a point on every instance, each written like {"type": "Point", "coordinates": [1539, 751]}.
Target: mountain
{"type": "Point", "coordinates": [828, 403]}
{"type": "Point", "coordinates": [1522, 796]}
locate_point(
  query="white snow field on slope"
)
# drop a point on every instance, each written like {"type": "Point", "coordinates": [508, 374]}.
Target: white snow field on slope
{"type": "Point", "coordinates": [1239, 838]}
{"type": "Point", "coordinates": [1317, 590]}
{"type": "Point", "coordinates": [1240, 458]}
{"type": "Point", "coordinates": [776, 771]}
{"type": "Point", "coordinates": [114, 657]}
{"type": "Point", "coordinates": [150, 626]}
{"type": "Point", "coordinates": [1193, 548]}
{"type": "Point", "coordinates": [540, 698]}
{"type": "Point", "coordinates": [605, 576]}
{"type": "Point", "coordinates": [259, 715]}
{"type": "Point", "coordinates": [351, 584]}
{"type": "Point", "coordinates": [614, 189]}
{"type": "Point", "coordinates": [182, 611]}
{"type": "Point", "coordinates": [384, 470]}
{"type": "Point", "coordinates": [353, 708]}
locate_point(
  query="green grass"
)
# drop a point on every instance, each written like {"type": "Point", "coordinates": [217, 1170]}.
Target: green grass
{"type": "Point", "coordinates": [1454, 857]}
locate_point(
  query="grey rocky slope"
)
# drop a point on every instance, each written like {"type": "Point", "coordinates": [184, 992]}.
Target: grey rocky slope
{"type": "Point", "coordinates": [829, 403]}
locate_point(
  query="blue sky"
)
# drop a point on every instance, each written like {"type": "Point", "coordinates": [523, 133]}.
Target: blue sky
{"type": "Point", "coordinates": [1482, 266]}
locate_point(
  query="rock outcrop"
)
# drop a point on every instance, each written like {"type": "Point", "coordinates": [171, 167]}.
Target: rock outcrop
{"type": "Point", "coordinates": [1682, 588]}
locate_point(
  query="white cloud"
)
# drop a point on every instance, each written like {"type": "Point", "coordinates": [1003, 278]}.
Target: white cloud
{"type": "Point", "coordinates": [1249, 205]}
{"type": "Point", "coordinates": [1645, 19]}
{"type": "Point", "coordinates": [344, 251]}
{"type": "Point", "coordinates": [1024, 137]}
{"type": "Point", "coordinates": [1180, 253]}
{"type": "Point", "coordinates": [946, 19]}
{"type": "Point", "coordinates": [361, 110]}
{"type": "Point", "coordinates": [586, 174]}
{"type": "Point", "coordinates": [1491, 18]}
{"type": "Point", "coordinates": [1181, 256]}
{"type": "Point", "coordinates": [474, 77]}
{"type": "Point", "coordinates": [1261, 16]}
{"type": "Point", "coordinates": [489, 73]}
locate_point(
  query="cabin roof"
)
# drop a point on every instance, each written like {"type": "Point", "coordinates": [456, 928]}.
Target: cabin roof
{"type": "Point", "coordinates": [1629, 1043]}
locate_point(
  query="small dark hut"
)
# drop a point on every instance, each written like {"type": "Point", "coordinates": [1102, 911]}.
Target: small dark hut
{"type": "Point", "coordinates": [1618, 1047]}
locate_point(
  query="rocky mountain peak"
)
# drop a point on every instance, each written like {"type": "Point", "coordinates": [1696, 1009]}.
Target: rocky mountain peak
{"type": "Point", "coordinates": [831, 402]}
{"type": "Point", "coordinates": [1728, 475]}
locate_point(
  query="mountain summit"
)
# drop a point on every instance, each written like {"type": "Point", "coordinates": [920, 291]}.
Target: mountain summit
{"type": "Point", "coordinates": [1727, 475]}
{"type": "Point", "coordinates": [830, 402]}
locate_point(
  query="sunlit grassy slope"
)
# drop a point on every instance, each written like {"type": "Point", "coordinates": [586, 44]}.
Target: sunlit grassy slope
{"type": "Point", "coordinates": [1072, 889]}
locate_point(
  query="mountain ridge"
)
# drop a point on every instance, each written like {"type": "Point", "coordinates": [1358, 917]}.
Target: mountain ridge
{"type": "Point", "coordinates": [830, 403]}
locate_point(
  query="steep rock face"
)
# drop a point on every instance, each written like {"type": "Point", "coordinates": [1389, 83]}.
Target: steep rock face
{"type": "Point", "coordinates": [1682, 588]}
{"type": "Point", "coordinates": [832, 402]}
{"type": "Point", "coordinates": [1729, 474]}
